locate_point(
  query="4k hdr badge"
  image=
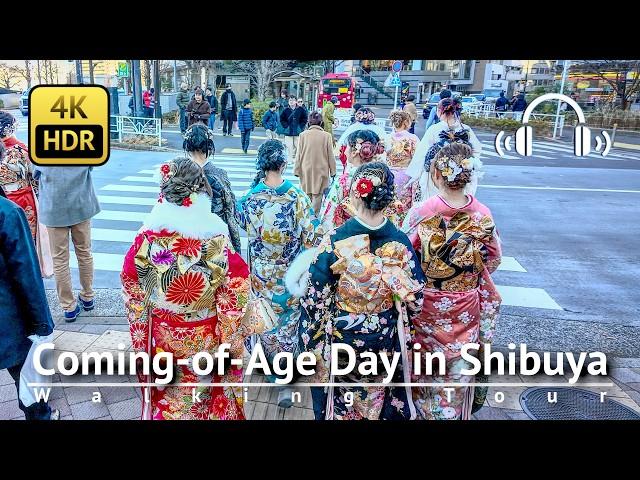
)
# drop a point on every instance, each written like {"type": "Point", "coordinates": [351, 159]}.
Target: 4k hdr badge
{"type": "Point", "coordinates": [69, 125]}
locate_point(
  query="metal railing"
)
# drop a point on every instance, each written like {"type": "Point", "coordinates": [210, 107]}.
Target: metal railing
{"type": "Point", "coordinates": [489, 111]}
{"type": "Point", "coordinates": [137, 126]}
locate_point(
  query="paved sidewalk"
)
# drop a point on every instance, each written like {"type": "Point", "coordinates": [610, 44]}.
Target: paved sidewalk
{"type": "Point", "coordinates": [125, 403]}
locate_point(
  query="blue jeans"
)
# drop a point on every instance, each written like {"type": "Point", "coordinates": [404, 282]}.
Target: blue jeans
{"type": "Point", "coordinates": [212, 120]}
{"type": "Point", "coordinates": [245, 138]}
{"type": "Point", "coordinates": [183, 120]}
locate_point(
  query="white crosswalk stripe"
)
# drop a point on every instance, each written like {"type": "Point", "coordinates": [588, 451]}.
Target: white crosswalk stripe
{"type": "Point", "coordinates": [130, 211]}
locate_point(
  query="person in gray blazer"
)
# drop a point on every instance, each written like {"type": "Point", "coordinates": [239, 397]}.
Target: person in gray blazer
{"type": "Point", "coordinates": [67, 204]}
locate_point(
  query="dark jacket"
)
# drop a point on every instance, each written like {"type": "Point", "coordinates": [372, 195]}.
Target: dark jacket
{"type": "Point", "coordinates": [294, 121]}
{"type": "Point", "coordinates": [223, 102]}
{"type": "Point", "coordinates": [24, 309]}
{"type": "Point", "coordinates": [182, 98]}
{"type": "Point", "coordinates": [245, 119]}
{"type": "Point", "coordinates": [520, 104]}
{"type": "Point", "coordinates": [223, 201]}
{"type": "Point", "coordinates": [198, 112]}
{"type": "Point", "coordinates": [283, 104]}
{"type": "Point", "coordinates": [501, 103]}
{"type": "Point", "coordinates": [213, 101]}
{"type": "Point", "coordinates": [270, 120]}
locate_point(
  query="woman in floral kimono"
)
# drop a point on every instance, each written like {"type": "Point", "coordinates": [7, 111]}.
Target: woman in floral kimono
{"type": "Point", "coordinates": [19, 185]}
{"type": "Point", "coordinates": [364, 119]}
{"type": "Point", "coordinates": [280, 223]}
{"type": "Point", "coordinates": [185, 291]}
{"type": "Point", "coordinates": [456, 239]}
{"type": "Point", "coordinates": [364, 146]}
{"type": "Point", "coordinates": [450, 129]}
{"type": "Point", "coordinates": [402, 148]}
{"type": "Point", "coordinates": [361, 287]}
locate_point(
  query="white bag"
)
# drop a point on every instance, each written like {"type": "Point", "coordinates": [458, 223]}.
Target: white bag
{"type": "Point", "coordinates": [28, 373]}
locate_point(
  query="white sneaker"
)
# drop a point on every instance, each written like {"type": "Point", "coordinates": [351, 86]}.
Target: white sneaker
{"type": "Point", "coordinates": [55, 414]}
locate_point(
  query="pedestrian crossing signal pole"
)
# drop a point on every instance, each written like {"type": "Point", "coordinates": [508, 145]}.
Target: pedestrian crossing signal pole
{"type": "Point", "coordinates": [395, 98]}
{"type": "Point", "coordinates": [396, 67]}
{"type": "Point", "coordinates": [565, 68]}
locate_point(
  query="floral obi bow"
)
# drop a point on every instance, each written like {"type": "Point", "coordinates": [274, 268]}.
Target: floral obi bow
{"type": "Point", "coordinates": [371, 282]}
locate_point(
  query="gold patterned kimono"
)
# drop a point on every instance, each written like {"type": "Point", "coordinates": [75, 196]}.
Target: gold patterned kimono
{"type": "Point", "coordinates": [364, 288]}
{"type": "Point", "coordinates": [187, 293]}
{"type": "Point", "coordinates": [459, 249]}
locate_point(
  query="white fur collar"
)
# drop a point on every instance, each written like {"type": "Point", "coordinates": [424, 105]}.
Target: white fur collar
{"type": "Point", "coordinates": [196, 221]}
{"type": "Point", "coordinates": [297, 276]}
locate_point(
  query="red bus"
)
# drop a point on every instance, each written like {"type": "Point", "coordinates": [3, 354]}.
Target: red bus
{"type": "Point", "coordinates": [339, 84]}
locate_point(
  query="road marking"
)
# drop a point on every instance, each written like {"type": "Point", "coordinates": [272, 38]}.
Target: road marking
{"type": "Point", "coordinates": [510, 264]}
{"type": "Point", "coordinates": [527, 297]}
{"type": "Point", "coordinates": [626, 145]}
{"type": "Point", "coordinates": [130, 188]}
{"type": "Point", "coordinates": [127, 200]}
{"type": "Point", "coordinates": [239, 150]}
{"type": "Point", "coordinates": [568, 189]}
{"type": "Point", "coordinates": [113, 235]}
{"type": "Point", "coordinates": [122, 216]}
{"type": "Point", "coordinates": [140, 179]}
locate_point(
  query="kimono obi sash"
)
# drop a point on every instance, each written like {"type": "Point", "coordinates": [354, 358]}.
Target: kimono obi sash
{"type": "Point", "coordinates": [401, 153]}
{"type": "Point", "coordinates": [454, 252]}
{"type": "Point", "coordinates": [370, 282]}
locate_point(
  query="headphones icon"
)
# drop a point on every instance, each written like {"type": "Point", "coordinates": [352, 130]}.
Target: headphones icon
{"type": "Point", "coordinates": [581, 136]}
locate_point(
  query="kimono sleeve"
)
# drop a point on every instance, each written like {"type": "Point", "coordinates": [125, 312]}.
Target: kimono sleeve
{"type": "Point", "coordinates": [231, 303]}
{"type": "Point", "coordinates": [318, 305]}
{"type": "Point", "coordinates": [242, 217]}
{"type": "Point", "coordinates": [410, 227]}
{"type": "Point", "coordinates": [414, 268]}
{"type": "Point", "coordinates": [134, 296]}
{"type": "Point", "coordinates": [494, 251]}
{"type": "Point", "coordinates": [308, 226]}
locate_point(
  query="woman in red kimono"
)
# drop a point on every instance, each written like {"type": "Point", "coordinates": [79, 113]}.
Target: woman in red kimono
{"type": "Point", "coordinates": [185, 291]}
{"type": "Point", "coordinates": [19, 185]}
{"type": "Point", "coordinates": [456, 239]}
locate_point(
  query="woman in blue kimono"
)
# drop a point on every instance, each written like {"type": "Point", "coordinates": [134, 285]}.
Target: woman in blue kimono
{"type": "Point", "coordinates": [361, 286]}
{"type": "Point", "coordinates": [280, 223]}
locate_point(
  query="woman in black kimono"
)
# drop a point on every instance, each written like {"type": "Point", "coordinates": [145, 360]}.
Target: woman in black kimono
{"type": "Point", "coordinates": [198, 143]}
{"type": "Point", "coordinates": [361, 287]}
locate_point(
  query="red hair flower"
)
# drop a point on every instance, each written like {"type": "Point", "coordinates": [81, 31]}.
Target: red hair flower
{"type": "Point", "coordinates": [186, 202]}
{"type": "Point", "coordinates": [367, 150]}
{"type": "Point", "coordinates": [165, 169]}
{"type": "Point", "coordinates": [364, 187]}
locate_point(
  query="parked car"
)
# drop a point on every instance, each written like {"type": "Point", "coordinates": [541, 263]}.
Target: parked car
{"type": "Point", "coordinates": [433, 101]}
{"type": "Point", "coordinates": [469, 102]}
{"type": "Point", "coordinates": [24, 103]}
{"type": "Point", "coordinates": [491, 94]}
{"type": "Point", "coordinates": [480, 96]}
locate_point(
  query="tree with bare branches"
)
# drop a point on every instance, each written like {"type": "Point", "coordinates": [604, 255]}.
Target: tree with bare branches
{"type": "Point", "coordinates": [261, 73]}
{"type": "Point", "coordinates": [9, 78]}
{"type": "Point", "coordinates": [625, 82]}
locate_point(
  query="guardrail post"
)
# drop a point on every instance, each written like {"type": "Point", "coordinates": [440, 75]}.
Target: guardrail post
{"type": "Point", "coordinates": [613, 133]}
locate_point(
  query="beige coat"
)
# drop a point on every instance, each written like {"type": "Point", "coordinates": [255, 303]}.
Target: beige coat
{"type": "Point", "coordinates": [411, 109]}
{"type": "Point", "coordinates": [315, 163]}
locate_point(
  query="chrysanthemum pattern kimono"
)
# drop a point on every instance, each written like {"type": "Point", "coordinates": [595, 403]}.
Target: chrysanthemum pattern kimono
{"type": "Point", "coordinates": [364, 288]}
{"type": "Point", "coordinates": [336, 206]}
{"type": "Point", "coordinates": [187, 295]}
{"type": "Point", "coordinates": [280, 223]}
{"type": "Point", "coordinates": [459, 249]}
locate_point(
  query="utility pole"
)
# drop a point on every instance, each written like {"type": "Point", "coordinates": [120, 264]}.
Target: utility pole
{"type": "Point", "coordinates": [565, 68]}
{"type": "Point", "coordinates": [137, 89]}
{"type": "Point", "coordinates": [79, 72]}
{"type": "Point", "coordinates": [175, 76]}
{"type": "Point", "coordinates": [156, 81]}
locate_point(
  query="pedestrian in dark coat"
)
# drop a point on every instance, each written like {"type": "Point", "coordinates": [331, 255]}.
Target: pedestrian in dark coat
{"type": "Point", "coordinates": [24, 310]}
{"type": "Point", "coordinates": [245, 124]}
{"type": "Point", "coordinates": [520, 104]}
{"type": "Point", "coordinates": [228, 110]}
{"type": "Point", "coordinates": [198, 109]}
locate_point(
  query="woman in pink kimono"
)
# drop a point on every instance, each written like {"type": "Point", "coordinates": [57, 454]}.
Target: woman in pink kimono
{"type": "Point", "coordinates": [456, 238]}
{"type": "Point", "coordinates": [403, 146]}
